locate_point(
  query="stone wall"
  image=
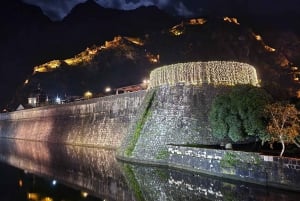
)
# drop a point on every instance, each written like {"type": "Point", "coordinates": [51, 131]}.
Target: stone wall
{"type": "Point", "coordinates": [96, 122]}
{"type": "Point", "coordinates": [177, 115]}
{"type": "Point", "coordinates": [247, 166]}
{"type": "Point", "coordinates": [178, 112]}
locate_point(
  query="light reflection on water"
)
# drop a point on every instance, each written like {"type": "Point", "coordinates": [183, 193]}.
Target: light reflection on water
{"type": "Point", "coordinates": [95, 171]}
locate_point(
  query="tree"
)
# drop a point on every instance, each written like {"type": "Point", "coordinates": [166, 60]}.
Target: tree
{"type": "Point", "coordinates": [283, 125]}
{"type": "Point", "coordinates": [239, 113]}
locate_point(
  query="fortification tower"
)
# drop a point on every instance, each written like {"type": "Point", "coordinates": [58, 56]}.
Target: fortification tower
{"type": "Point", "coordinates": [177, 105]}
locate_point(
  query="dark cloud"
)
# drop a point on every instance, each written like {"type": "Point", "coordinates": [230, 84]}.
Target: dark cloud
{"type": "Point", "coordinates": [132, 4]}
{"type": "Point", "coordinates": [58, 9]}
{"type": "Point", "coordinates": [182, 10]}
{"type": "Point", "coordinates": [55, 9]}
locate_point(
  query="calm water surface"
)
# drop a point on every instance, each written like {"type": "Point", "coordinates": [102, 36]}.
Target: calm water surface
{"type": "Point", "coordinates": [50, 172]}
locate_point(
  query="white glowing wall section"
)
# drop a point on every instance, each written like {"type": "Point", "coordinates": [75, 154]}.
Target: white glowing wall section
{"type": "Point", "coordinates": [198, 73]}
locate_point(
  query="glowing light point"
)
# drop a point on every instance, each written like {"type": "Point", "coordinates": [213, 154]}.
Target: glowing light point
{"type": "Point", "coordinates": [20, 183]}
{"type": "Point", "coordinates": [54, 182]}
{"type": "Point", "coordinates": [88, 94]}
{"type": "Point", "coordinates": [107, 89]}
{"type": "Point", "coordinates": [84, 194]}
{"type": "Point", "coordinates": [57, 100]}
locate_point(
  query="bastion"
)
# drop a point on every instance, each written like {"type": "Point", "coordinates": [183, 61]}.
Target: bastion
{"type": "Point", "coordinates": [176, 107]}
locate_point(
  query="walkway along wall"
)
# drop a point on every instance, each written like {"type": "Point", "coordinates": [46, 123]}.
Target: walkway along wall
{"type": "Point", "coordinates": [98, 122]}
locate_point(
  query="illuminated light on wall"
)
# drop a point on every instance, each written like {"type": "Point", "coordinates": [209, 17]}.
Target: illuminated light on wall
{"type": "Point", "coordinates": [58, 100]}
{"type": "Point", "coordinates": [107, 89]}
{"type": "Point", "coordinates": [258, 37]}
{"type": "Point", "coordinates": [177, 30]}
{"type": "Point", "coordinates": [54, 182]}
{"type": "Point", "coordinates": [231, 20]}
{"type": "Point", "coordinates": [136, 41]}
{"type": "Point", "coordinates": [294, 68]}
{"type": "Point", "coordinates": [20, 183]}
{"type": "Point", "coordinates": [32, 101]}
{"type": "Point", "coordinates": [47, 67]}
{"type": "Point", "coordinates": [153, 58]}
{"type": "Point", "coordinates": [198, 21]}
{"type": "Point", "coordinates": [296, 76]}
{"type": "Point", "coordinates": [198, 73]}
{"type": "Point", "coordinates": [269, 49]}
{"type": "Point", "coordinates": [26, 82]}
{"type": "Point", "coordinates": [47, 199]}
{"type": "Point", "coordinates": [40, 69]}
{"type": "Point", "coordinates": [88, 94]}
{"type": "Point", "coordinates": [84, 194]}
{"type": "Point", "coordinates": [114, 42]}
{"type": "Point", "coordinates": [33, 196]}
{"type": "Point", "coordinates": [83, 57]}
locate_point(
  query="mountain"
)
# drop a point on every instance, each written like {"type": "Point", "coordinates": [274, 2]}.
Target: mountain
{"type": "Point", "coordinates": [128, 60]}
{"type": "Point", "coordinates": [28, 38]}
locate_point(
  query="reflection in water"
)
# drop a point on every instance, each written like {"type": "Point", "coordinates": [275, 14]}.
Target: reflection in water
{"type": "Point", "coordinates": [96, 172]}
{"type": "Point", "coordinates": [150, 183]}
{"type": "Point", "coordinates": [91, 169]}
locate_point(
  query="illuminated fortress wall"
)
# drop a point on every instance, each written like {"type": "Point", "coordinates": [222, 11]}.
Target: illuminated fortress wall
{"type": "Point", "coordinates": [178, 112]}
{"type": "Point", "coordinates": [199, 73]}
{"type": "Point", "coordinates": [98, 122]}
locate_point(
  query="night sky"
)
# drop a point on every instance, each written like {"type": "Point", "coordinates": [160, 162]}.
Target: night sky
{"type": "Point", "coordinates": [58, 9]}
{"type": "Point", "coordinates": [20, 51]}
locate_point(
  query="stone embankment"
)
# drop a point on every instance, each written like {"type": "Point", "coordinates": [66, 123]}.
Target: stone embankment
{"type": "Point", "coordinates": [275, 171]}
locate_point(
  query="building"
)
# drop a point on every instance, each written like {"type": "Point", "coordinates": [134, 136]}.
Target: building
{"type": "Point", "coordinates": [37, 98]}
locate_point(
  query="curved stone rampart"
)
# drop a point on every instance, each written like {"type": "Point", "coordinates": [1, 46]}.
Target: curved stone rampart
{"type": "Point", "coordinates": [178, 113]}
{"type": "Point", "coordinates": [198, 73]}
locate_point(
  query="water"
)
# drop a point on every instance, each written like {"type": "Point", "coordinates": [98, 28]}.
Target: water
{"type": "Point", "coordinates": [51, 172]}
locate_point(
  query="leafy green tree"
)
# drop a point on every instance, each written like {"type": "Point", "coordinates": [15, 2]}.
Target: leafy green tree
{"type": "Point", "coordinates": [283, 125]}
{"type": "Point", "coordinates": [239, 113]}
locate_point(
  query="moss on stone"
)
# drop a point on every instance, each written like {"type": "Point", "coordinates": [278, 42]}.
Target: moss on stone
{"type": "Point", "coordinates": [162, 154]}
{"type": "Point", "coordinates": [229, 160]}
{"type": "Point", "coordinates": [140, 123]}
{"type": "Point", "coordinates": [232, 159]}
{"type": "Point", "coordinates": [133, 183]}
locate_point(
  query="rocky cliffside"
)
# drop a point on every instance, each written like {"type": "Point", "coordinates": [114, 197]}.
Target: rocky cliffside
{"type": "Point", "coordinates": [128, 60]}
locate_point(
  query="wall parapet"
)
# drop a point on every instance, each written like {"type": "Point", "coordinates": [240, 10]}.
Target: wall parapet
{"type": "Point", "coordinates": [198, 73]}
